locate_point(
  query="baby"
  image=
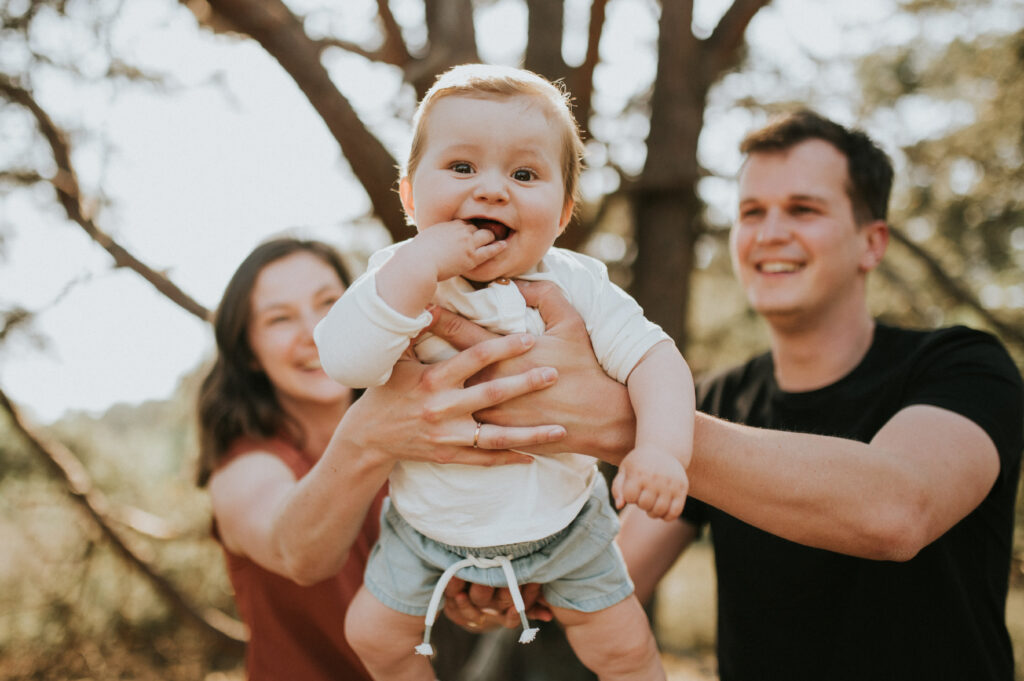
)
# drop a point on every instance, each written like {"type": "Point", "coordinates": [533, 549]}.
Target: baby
{"type": "Point", "coordinates": [490, 183]}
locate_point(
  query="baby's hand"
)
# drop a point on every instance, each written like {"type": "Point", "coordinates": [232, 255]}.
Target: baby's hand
{"type": "Point", "coordinates": [652, 479]}
{"type": "Point", "coordinates": [456, 247]}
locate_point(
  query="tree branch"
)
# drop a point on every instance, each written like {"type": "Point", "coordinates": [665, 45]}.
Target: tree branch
{"type": "Point", "coordinates": [581, 79]}
{"type": "Point", "coordinates": [282, 35]}
{"type": "Point", "coordinates": [451, 40]}
{"type": "Point", "coordinates": [394, 51]}
{"type": "Point", "coordinates": [956, 290]}
{"type": "Point", "coordinates": [349, 46]}
{"type": "Point", "coordinates": [722, 48]}
{"type": "Point", "coordinates": [21, 177]}
{"type": "Point", "coordinates": [64, 465]}
{"type": "Point", "coordinates": [65, 181]}
{"type": "Point", "coordinates": [545, 22]}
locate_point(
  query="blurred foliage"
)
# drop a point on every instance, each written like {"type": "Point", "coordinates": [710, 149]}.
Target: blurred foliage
{"type": "Point", "coordinates": [69, 602]}
{"type": "Point", "coordinates": [962, 189]}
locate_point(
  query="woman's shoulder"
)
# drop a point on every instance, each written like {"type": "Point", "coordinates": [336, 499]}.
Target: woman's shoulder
{"type": "Point", "coordinates": [279, 447]}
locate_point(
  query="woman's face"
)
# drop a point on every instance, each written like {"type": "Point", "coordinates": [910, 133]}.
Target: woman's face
{"type": "Point", "coordinates": [290, 296]}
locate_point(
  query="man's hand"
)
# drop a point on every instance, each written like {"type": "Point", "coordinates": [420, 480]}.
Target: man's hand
{"type": "Point", "coordinates": [594, 408]}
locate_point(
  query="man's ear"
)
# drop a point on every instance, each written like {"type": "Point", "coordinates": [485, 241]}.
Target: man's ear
{"type": "Point", "coordinates": [566, 216]}
{"type": "Point", "coordinates": [405, 194]}
{"type": "Point", "coordinates": [876, 235]}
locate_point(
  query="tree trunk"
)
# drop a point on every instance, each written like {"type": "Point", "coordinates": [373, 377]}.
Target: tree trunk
{"type": "Point", "coordinates": [665, 206]}
{"type": "Point", "coordinates": [544, 39]}
{"type": "Point", "coordinates": [667, 212]}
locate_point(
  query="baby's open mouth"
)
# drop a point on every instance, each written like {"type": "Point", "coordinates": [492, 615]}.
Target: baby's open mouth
{"type": "Point", "coordinates": [498, 229]}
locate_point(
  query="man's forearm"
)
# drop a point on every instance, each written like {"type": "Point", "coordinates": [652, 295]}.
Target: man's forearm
{"type": "Point", "coordinates": [923, 471]}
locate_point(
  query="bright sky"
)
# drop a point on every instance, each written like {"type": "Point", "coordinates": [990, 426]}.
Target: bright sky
{"type": "Point", "coordinates": [196, 177]}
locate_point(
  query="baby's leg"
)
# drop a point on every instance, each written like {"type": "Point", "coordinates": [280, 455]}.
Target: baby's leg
{"type": "Point", "coordinates": [384, 639]}
{"type": "Point", "coordinates": [615, 643]}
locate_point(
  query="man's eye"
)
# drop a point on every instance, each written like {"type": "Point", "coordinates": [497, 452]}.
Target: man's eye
{"type": "Point", "coordinates": [461, 167]}
{"type": "Point", "coordinates": [524, 175]}
{"type": "Point", "coordinates": [751, 213]}
{"type": "Point", "coordinates": [802, 210]}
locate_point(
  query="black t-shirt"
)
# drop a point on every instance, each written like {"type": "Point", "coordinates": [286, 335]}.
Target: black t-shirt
{"type": "Point", "coordinates": [788, 611]}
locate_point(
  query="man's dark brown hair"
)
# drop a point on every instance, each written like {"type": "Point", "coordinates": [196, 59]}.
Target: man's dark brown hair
{"type": "Point", "coordinates": [868, 167]}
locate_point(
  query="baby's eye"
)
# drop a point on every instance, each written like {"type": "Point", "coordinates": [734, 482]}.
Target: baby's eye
{"type": "Point", "coordinates": [524, 175]}
{"type": "Point", "coordinates": [461, 167]}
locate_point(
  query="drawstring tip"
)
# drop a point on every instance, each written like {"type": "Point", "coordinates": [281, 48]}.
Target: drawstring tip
{"type": "Point", "coordinates": [425, 649]}
{"type": "Point", "coordinates": [528, 635]}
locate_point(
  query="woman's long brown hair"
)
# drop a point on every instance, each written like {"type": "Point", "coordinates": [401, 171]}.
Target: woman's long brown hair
{"type": "Point", "coordinates": [236, 398]}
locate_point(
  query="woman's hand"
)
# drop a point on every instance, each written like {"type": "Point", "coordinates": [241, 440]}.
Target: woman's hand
{"type": "Point", "coordinates": [425, 413]}
{"type": "Point", "coordinates": [594, 408]}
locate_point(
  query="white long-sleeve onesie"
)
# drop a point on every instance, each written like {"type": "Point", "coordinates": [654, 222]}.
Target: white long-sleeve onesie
{"type": "Point", "coordinates": [362, 337]}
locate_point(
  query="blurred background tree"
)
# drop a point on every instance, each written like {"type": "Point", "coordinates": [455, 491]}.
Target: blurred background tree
{"type": "Point", "coordinates": [938, 82]}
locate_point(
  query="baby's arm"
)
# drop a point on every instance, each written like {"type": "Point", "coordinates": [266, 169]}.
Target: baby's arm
{"type": "Point", "coordinates": [653, 474]}
{"type": "Point", "coordinates": [407, 282]}
{"type": "Point", "coordinates": [369, 328]}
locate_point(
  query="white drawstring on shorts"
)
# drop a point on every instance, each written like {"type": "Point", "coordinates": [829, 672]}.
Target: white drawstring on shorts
{"type": "Point", "coordinates": [505, 563]}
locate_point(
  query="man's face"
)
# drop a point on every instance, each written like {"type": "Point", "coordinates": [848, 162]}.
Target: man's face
{"type": "Point", "coordinates": [796, 248]}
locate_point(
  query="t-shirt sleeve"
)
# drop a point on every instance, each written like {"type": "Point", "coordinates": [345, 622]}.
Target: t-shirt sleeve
{"type": "Point", "coordinates": [970, 373]}
{"type": "Point", "coordinates": [619, 332]}
{"type": "Point", "coordinates": [362, 337]}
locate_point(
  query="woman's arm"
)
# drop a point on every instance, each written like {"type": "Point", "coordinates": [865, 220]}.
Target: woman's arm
{"type": "Point", "coordinates": [300, 529]}
{"type": "Point", "coordinates": [304, 529]}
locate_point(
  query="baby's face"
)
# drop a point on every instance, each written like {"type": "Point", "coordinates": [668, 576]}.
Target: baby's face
{"type": "Point", "coordinates": [496, 163]}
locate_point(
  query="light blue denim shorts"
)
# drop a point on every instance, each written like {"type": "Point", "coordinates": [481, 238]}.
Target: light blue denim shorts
{"type": "Point", "coordinates": [580, 566]}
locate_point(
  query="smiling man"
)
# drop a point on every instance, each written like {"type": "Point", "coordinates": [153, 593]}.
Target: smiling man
{"type": "Point", "coordinates": [858, 479]}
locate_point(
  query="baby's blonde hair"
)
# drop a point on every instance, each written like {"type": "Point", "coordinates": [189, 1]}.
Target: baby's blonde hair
{"type": "Point", "coordinates": [500, 82]}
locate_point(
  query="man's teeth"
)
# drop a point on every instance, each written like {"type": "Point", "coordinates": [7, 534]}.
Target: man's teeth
{"type": "Point", "coordinates": [778, 267]}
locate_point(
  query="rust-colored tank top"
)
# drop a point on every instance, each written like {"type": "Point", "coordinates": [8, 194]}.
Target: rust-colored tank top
{"type": "Point", "coordinates": [297, 632]}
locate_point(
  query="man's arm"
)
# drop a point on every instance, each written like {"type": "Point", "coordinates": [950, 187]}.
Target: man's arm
{"type": "Point", "coordinates": [594, 408]}
{"type": "Point", "coordinates": [922, 473]}
{"type": "Point", "coordinates": [650, 547]}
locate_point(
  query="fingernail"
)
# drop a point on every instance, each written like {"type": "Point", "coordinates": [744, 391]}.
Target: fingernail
{"type": "Point", "coordinates": [548, 374]}
{"type": "Point", "coordinates": [556, 433]}
{"type": "Point", "coordinates": [526, 339]}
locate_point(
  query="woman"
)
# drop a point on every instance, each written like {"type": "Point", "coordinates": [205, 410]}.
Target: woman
{"type": "Point", "coordinates": [296, 470]}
